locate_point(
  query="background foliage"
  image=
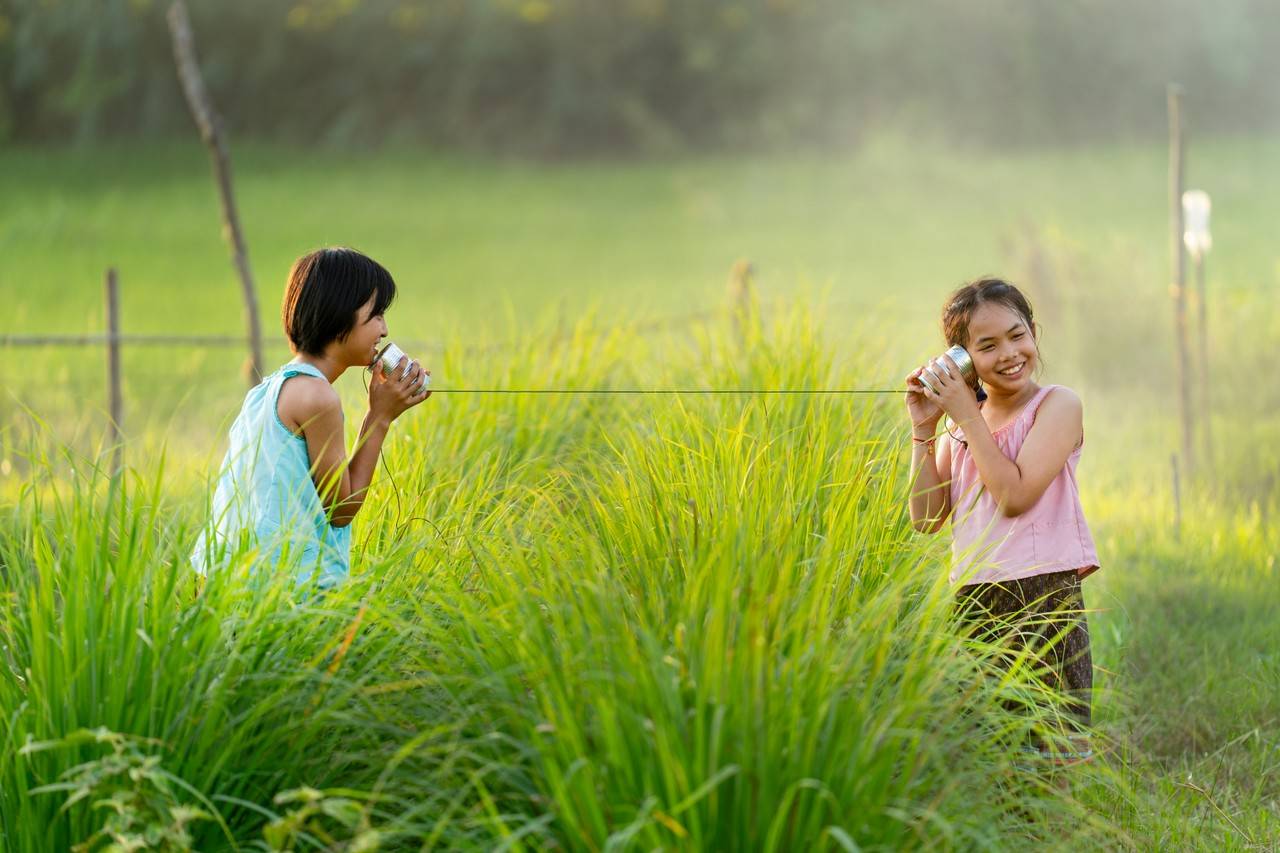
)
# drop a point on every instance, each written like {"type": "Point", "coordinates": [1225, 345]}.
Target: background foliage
{"type": "Point", "coordinates": [560, 77]}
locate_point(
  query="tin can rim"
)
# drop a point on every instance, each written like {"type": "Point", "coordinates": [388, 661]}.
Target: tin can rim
{"type": "Point", "coordinates": [963, 360]}
{"type": "Point", "coordinates": [382, 353]}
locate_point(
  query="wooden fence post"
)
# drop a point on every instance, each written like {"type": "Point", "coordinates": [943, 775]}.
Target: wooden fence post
{"type": "Point", "coordinates": [740, 297]}
{"type": "Point", "coordinates": [1178, 288]}
{"type": "Point", "coordinates": [1205, 380]}
{"type": "Point", "coordinates": [113, 370]}
{"type": "Point", "coordinates": [209, 124]}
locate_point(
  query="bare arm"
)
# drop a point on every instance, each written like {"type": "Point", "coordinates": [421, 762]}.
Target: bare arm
{"type": "Point", "coordinates": [930, 498]}
{"type": "Point", "coordinates": [931, 484]}
{"type": "Point", "coordinates": [1016, 484]}
{"type": "Point", "coordinates": [341, 484]}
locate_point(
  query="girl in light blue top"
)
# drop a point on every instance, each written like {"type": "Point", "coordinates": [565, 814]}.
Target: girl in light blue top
{"type": "Point", "coordinates": [286, 485]}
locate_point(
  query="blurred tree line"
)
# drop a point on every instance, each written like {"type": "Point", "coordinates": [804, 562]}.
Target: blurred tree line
{"type": "Point", "coordinates": [560, 77]}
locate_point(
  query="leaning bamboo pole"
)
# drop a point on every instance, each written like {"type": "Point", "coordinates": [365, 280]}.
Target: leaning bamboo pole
{"type": "Point", "coordinates": [1178, 284]}
{"type": "Point", "coordinates": [210, 126]}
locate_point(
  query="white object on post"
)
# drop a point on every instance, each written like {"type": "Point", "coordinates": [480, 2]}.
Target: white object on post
{"type": "Point", "coordinates": [1195, 223]}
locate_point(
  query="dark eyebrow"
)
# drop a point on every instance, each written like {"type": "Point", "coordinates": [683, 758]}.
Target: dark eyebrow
{"type": "Point", "coordinates": [1012, 329]}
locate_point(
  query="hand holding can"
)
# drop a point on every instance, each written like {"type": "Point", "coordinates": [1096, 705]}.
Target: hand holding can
{"type": "Point", "coordinates": [402, 385]}
{"type": "Point", "coordinates": [960, 358]}
{"type": "Point", "coordinates": [390, 357]}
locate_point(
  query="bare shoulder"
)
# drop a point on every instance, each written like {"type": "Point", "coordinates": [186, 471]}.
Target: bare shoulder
{"type": "Point", "coordinates": [1062, 402]}
{"type": "Point", "coordinates": [306, 399]}
{"type": "Point", "coordinates": [1062, 412]}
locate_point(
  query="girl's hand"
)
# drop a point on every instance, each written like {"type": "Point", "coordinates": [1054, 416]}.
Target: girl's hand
{"type": "Point", "coordinates": [391, 396]}
{"type": "Point", "coordinates": [924, 413]}
{"type": "Point", "coordinates": [954, 396]}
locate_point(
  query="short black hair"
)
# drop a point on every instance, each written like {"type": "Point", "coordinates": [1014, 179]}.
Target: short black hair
{"type": "Point", "coordinates": [325, 289]}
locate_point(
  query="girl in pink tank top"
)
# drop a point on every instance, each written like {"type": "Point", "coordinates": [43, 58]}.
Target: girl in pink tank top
{"type": "Point", "coordinates": [1004, 474]}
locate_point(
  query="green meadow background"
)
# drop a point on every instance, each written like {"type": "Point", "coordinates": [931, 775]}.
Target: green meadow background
{"type": "Point", "coordinates": [491, 251]}
{"type": "Point", "coordinates": [609, 622]}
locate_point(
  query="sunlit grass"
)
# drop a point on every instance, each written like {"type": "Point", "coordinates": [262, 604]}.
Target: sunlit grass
{"type": "Point", "coordinates": [689, 622]}
{"type": "Point", "coordinates": [581, 623]}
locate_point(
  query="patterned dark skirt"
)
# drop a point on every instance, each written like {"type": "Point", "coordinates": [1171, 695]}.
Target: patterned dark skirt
{"type": "Point", "coordinates": [1042, 614]}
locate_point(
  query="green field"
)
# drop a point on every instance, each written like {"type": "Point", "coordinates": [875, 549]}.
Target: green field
{"type": "Point", "coordinates": [611, 622]}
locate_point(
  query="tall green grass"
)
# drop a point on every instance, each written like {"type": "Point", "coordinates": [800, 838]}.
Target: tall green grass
{"type": "Point", "coordinates": [1186, 638]}
{"type": "Point", "coordinates": [543, 635]}
{"type": "Point", "coordinates": [582, 622]}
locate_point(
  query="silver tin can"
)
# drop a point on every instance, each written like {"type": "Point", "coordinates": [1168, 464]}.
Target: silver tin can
{"type": "Point", "coordinates": [390, 356]}
{"type": "Point", "coordinates": [962, 360]}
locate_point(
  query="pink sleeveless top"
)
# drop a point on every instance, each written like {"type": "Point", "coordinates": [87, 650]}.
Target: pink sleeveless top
{"type": "Point", "coordinates": [1052, 536]}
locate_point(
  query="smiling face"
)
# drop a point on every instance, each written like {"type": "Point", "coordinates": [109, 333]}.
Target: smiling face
{"type": "Point", "coordinates": [1003, 348]}
{"type": "Point", "coordinates": [363, 341]}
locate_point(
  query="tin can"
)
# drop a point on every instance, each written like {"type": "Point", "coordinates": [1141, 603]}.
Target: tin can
{"type": "Point", "coordinates": [390, 356]}
{"type": "Point", "coordinates": [962, 360]}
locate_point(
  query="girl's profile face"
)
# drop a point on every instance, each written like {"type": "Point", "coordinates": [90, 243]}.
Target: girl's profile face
{"type": "Point", "coordinates": [1002, 347]}
{"type": "Point", "coordinates": [370, 328]}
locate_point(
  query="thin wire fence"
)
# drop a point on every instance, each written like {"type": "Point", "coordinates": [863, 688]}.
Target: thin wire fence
{"type": "Point", "coordinates": [114, 341]}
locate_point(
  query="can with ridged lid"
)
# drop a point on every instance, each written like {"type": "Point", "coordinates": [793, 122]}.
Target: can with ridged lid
{"type": "Point", "coordinates": [390, 356]}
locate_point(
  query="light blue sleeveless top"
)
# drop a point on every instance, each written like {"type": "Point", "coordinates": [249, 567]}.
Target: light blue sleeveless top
{"type": "Point", "coordinates": [265, 497]}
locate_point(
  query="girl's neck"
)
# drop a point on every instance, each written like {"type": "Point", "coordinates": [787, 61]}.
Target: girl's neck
{"type": "Point", "coordinates": [1009, 403]}
{"type": "Point", "coordinates": [326, 363]}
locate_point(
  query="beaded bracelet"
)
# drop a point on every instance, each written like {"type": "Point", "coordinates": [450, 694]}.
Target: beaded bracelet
{"type": "Point", "coordinates": [928, 442]}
